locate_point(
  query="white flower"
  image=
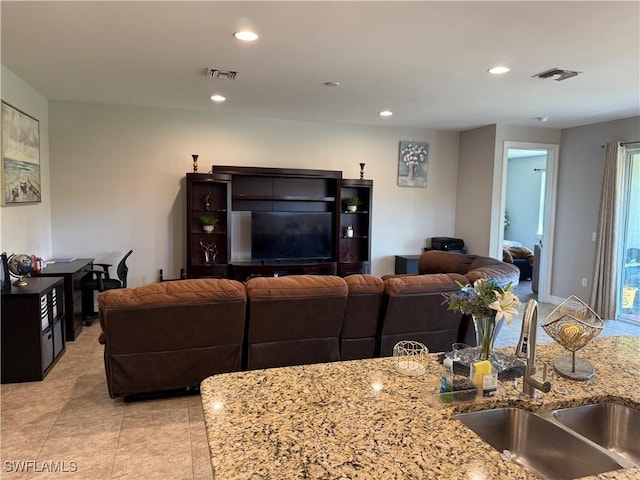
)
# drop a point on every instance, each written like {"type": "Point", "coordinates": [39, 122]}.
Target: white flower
{"type": "Point", "coordinates": [505, 305]}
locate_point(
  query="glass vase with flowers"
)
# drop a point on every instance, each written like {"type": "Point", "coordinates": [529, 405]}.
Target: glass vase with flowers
{"type": "Point", "coordinates": [488, 303]}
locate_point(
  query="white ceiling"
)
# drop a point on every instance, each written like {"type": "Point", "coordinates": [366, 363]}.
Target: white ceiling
{"type": "Point", "coordinates": [425, 61]}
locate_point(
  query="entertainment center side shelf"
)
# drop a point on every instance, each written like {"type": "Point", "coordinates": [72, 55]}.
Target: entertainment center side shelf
{"type": "Point", "coordinates": [208, 254]}
{"type": "Point", "coordinates": [354, 228]}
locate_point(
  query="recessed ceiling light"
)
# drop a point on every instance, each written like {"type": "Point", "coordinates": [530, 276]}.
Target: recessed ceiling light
{"type": "Point", "coordinates": [385, 113]}
{"type": "Point", "coordinates": [218, 98]}
{"type": "Point", "coordinates": [542, 119]}
{"type": "Point", "coordinates": [499, 70]}
{"type": "Point", "coordinates": [246, 36]}
{"type": "Point", "coordinates": [331, 84]}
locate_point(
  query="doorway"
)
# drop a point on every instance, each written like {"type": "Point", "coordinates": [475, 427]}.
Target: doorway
{"type": "Point", "coordinates": [527, 207]}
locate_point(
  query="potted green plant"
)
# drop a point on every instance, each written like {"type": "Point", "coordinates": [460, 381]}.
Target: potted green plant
{"type": "Point", "coordinates": [208, 223]}
{"type": "Point", "coordinates": [351, 204]}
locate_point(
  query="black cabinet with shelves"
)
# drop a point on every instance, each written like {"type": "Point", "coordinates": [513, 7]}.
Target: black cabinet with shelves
{"type": "Point", "coordinates": [32, 329]}
{"type": "Point", "coordinates": [208, 253]}
{"type": "Point", "coordinates": [73, 273]}
{"type": "Point", "coordinates": [353, 249]}
{"type": "Point", "coordinates": [406, 264]}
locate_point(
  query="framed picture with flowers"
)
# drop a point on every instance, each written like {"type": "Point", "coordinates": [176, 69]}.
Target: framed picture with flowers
{"type": "Point", "coordinates": [413, 161]}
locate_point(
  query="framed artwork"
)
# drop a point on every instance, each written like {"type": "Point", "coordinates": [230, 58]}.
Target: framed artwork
{"type": "Point", "coordinates": [20, 157]}
{"type": "Point", "coordinates": [412, 164]}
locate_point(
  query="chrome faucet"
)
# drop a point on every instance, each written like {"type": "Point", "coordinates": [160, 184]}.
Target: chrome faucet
{"type": "Point", "coordinates": [526, 349]}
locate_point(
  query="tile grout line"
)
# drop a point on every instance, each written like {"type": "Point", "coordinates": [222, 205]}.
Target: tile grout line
{"type": "Point", "coordinates": [115, 450]}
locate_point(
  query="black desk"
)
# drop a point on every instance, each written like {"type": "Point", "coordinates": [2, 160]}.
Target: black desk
{"type": "Point", "coordinates": [407, 263]}
{"type": "Point", "coordinates": [73, 272]}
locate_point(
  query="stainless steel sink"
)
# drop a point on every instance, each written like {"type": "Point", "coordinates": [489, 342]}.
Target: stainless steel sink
{"type": "Point", "coordinates": [538, 444]}
{"type": "Point", "coordinates": [614, 427]}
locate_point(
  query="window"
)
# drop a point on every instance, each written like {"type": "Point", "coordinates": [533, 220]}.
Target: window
{"type": "Point", "coordinates": [543, 187]}
{"type": "Point", "coordinates": [629, 295]}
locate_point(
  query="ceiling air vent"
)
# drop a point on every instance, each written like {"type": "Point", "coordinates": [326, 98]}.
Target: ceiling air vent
{"type": "Point", "coordinates": [557, 74]}
{"type": "Point", "coordinates": [218, 73]}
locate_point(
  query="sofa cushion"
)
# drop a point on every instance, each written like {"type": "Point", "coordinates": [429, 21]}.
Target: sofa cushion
{"type": "Point", "coordinates": [362, 284]}
{"type": "Point", "coordinates": [416, 284]}
{"type": "Point", "coordinates": [473, 267]}
{"type": "Point", "coordinates": [436, 261]}
{"type": "Point", "coordinates": [501, 272]}
{"type": "Point", "coordinates": [295, 286]}
{"type": "Point", "coordinates": [136, 320]}
{"type": "Point", "coordinates": [179, 291]}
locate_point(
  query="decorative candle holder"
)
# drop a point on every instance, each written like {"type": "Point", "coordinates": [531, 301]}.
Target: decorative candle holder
{"type": "Point", "coordinates": [573, 324]}
{"type": "Point", "coordinates": [410, 358]}
{"type": "Point", "coordinates": [362, 170]}
{"type": "Point", "coordinates": [209, 250]}
{"type": "Point", "coordinates": [195, 163]}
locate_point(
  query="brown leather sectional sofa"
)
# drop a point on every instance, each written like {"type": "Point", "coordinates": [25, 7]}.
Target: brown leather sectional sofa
{"type": "Point", "coordinates": [174, 334]}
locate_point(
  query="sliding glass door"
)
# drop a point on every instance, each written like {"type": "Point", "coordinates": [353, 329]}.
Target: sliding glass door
{"type": "Point", "coordinates": [629, 295]}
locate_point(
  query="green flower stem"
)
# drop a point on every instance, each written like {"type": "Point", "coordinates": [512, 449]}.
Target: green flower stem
{"type": "Point", "coordinates": [485, 334]}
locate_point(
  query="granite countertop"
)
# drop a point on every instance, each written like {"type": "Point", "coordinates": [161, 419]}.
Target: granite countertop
{"type": "Point", "coordinates": [362, 420]}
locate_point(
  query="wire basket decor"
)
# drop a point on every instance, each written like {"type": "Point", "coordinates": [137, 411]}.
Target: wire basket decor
{"type": "Point", "coordinates": [410, 358]}
{"type": "Point", "coordinates": [573, 324]}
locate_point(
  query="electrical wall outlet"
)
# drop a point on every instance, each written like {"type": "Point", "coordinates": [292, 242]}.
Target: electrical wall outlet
{"type": "Point", "coordinates": [584, 282]}
{"type": "Point", "coordinates": [594, 236]}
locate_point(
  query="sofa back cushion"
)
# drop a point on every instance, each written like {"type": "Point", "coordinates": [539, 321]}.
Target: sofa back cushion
{"type": "Point", "coordinates": [171, 335]}
{"type": "Point", "coordinates": [362, 317]}
{"type": "Point", "coordinates": [294, 320]}
{"type": "Point", "coordinates": [173, 315]}
{"type": "Point", "coordinates": [487, 267]}
{"type": "Point", "coordinates": [473, 267]}
{"type": "Point", "coordinates": [436, 261]}
{"type": "Point", "coordinates": [415, 310]}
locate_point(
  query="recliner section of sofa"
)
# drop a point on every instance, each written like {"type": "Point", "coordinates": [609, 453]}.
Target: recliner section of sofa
{"type": "Point", "coordinates": [414, 310]}
{"type": "Point", "coordinates": [171, 335]}
{"type": "Point", "coordinates": [294, 320]}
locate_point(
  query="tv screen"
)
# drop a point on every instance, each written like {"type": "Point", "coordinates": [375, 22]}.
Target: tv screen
{"type": "Point", "coordinates": [291, 235]}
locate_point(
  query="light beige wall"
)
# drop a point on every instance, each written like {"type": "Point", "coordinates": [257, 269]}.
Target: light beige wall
{"type": "Point", "coordinates": [578, 201]}
{"type": "Point", "coordinates": [475, 182]}
{"type": "Point", "coordinates": [26, 228]}
{"type": "Point", "coordinates": [118, 178]}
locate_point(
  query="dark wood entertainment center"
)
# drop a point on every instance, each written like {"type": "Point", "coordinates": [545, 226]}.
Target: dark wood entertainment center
{"type": "Point", "coordinates": [231, 189]}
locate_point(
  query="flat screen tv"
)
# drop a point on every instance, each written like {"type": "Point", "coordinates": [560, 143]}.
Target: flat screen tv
{"type": "Point", "coordinates": [291, 235]}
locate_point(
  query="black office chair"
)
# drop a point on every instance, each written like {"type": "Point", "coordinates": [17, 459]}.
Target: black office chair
{"type": "Point", "coordinates": [100, 280]}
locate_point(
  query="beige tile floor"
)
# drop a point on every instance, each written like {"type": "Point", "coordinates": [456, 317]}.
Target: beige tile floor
{"type": "Point", "coordinates": [69, 417]}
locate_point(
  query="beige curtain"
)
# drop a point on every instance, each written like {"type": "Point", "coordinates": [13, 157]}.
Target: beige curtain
{"type": "Point", "coordinates": [604, 290]}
